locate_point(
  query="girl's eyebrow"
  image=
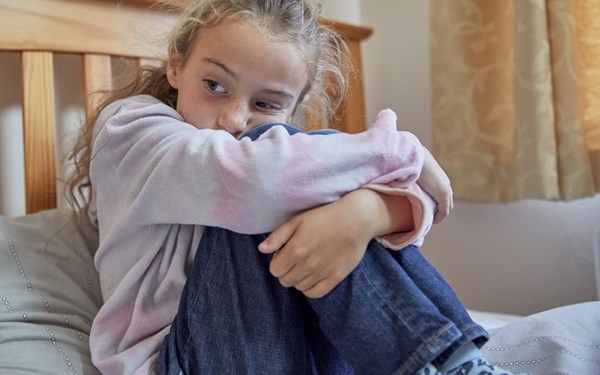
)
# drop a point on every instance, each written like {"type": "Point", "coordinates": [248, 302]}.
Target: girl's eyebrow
{"type": "Point", "coordinates": [222, 66]}
{"type": "Point", "coordinates": [283, 94]}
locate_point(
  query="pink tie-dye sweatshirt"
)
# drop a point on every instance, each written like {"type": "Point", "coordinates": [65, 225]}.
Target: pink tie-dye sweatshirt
{"type": "Point", "coordinates": [157, 181]}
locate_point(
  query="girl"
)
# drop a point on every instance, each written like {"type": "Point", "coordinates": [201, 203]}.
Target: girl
{"type": "Point", "coordinates": [185, 176]}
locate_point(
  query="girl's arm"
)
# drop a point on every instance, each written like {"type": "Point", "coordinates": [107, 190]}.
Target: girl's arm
{"type": "Point", "coordinates": [148, 162]}
{"type": "Point", "coordinates": [317, 249]}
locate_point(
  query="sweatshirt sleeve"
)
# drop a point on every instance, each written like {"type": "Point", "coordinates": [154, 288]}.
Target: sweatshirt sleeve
{"type": "Point", "coordinates": [147, 160]}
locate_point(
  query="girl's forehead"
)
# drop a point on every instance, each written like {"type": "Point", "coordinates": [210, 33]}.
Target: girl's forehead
{"type": "Point", "coordinates": [247, 50]}
{"type": "Point", "coordinates": [263, 28]}
{"type": "Point", "coordinates": [243, 34]}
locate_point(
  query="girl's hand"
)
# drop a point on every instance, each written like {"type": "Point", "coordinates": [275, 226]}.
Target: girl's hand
{"type": "Point", "coordinates": [317, 249]}
{"type": "Point", "coordinates": [436, 183]}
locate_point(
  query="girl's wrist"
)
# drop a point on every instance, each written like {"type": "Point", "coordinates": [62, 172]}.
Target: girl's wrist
{"type": "Point", "coordinates": [381, 214]}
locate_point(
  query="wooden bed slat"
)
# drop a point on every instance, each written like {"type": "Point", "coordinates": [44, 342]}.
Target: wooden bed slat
{"type": "Point", "coordinates": [88, 26]}
{"type": "Point", "coordinates": [151, 62]}
{"type": "Point", "coordinates": [97, 71]}
{"type": "Point", "coordinates": [38, 130]}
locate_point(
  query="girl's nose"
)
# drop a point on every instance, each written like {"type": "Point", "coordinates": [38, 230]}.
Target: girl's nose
{"type": "Point", "coordinates": [233, 118]}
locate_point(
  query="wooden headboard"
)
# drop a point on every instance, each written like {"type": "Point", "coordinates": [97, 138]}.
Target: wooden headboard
{"type": "Point", "coordinates": [98, 30]}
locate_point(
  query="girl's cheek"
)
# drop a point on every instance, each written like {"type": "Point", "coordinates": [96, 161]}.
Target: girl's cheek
{"type": "Point", "coordinates": [205, 120]}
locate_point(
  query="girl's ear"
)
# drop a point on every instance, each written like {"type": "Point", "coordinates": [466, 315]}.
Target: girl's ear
{"type": "Point", "coordinates": [173, 67]}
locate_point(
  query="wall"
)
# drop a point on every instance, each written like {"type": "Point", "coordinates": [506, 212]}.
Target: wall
{"type": "Point", "coordinates": [342, 10]}
{"type": "Point", "coordinates": [521, 257]}
{"type": "Point", "coordinates": [11, 137]}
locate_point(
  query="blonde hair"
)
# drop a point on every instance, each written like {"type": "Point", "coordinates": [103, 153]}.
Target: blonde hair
{"type": "Point", "coordinates": [293, 21]}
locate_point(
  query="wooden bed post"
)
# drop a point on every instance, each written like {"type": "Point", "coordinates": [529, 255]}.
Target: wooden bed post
{"type": "Point", "coordinates": [38, 131]}
{"type": "Point", "coordinates": [351, 116]}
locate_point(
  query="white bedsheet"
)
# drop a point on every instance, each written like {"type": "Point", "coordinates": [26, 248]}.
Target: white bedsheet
{"type": "Point", "coordinates": [492, 321]}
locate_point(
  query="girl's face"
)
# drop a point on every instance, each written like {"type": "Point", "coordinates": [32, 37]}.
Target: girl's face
{"type": "Point", "coordinates": [236, 78]}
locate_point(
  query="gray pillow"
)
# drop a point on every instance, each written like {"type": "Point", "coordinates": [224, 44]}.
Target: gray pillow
{"type": "Point", "coordinates": [49, 294]}
{"type": "Point", "coordinates": [564, 340]}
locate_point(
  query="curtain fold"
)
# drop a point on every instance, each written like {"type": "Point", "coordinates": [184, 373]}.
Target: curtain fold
{"type": "Point", "coordinates": [516, 97]}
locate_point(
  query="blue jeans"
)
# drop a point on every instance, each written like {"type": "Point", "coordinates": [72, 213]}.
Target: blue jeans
{"type": "Point", "coordinates": [392, 315]}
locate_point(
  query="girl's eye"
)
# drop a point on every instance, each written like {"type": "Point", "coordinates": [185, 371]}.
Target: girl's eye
{"type": "Point", "coordinates": [214, 86]}
{"type": "Point", "coordinates": [267, 106]}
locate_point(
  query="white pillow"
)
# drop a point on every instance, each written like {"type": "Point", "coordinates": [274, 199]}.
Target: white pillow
{"type": "Point", "coordinates": [49, 294]}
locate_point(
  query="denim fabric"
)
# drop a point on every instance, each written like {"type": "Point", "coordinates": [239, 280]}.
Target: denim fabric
{"type": "Point", "coordinates": [437, 290]}
{"type": "Point", "coordinates": [392, 315]}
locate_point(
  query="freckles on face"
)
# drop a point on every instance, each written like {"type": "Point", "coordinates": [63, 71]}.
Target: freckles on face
{"type": "Point", "coordinates": [237, 77]}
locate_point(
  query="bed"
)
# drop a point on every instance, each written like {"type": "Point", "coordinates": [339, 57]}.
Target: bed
{"type": "Point", "coordinates": [49, 291]}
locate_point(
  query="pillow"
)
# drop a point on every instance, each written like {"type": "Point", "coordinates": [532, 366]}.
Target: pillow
{"type": "Point", "coordinates": [49, 294]}
{"type": "Point", "coordinates": [564, 340]}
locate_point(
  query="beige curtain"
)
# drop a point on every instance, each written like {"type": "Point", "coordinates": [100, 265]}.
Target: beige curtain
{"type": "Point", "coordinates": [516, 97]}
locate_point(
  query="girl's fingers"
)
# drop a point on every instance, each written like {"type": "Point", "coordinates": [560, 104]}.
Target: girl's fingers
{"type": "Point", "coordinates": [321, 288]}
{"type": "Point", "coordinates": [308, 282]}
{"type": "Point", "coordinates": [305, 268]}
{"type": "Point", "coordinates": [278, 238]}
{"type": "Point", "coordinates": [443, 210]}
{"type": "Point", "coordinates": [293, 277]}
{"type": "Point", "coordinates": [281, 264]}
